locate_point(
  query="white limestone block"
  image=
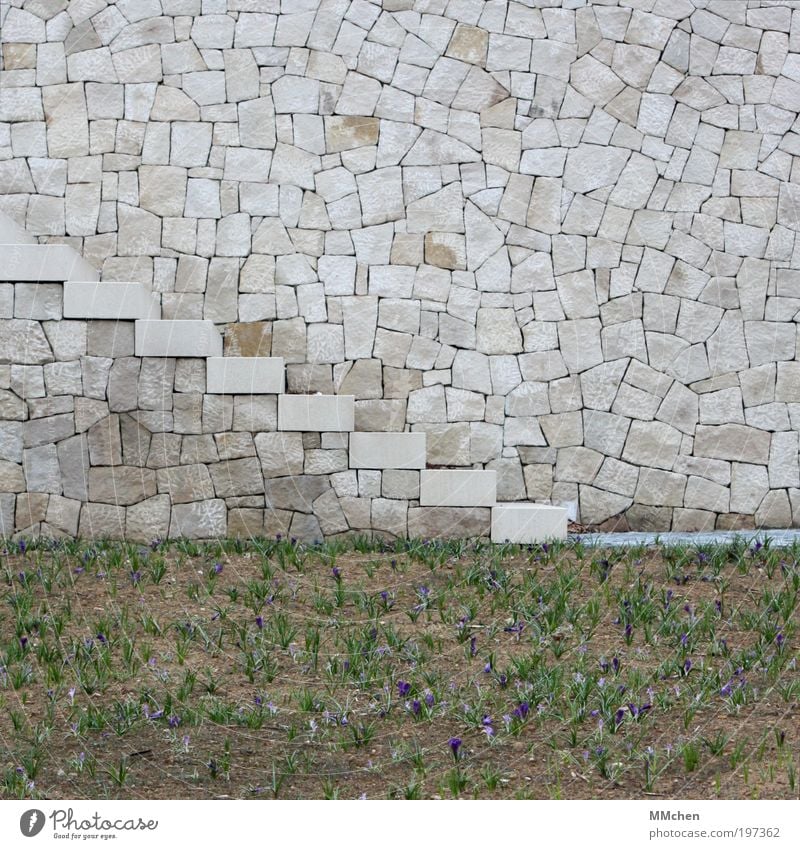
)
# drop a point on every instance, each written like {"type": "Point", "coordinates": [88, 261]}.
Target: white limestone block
{"type": "Point", "coordinates": [528, 523]}
{"type": "Point", "coordinates": [111, 300]}
{"type": "Point", "coordinates": [458, 488]}
{"type": "Point", "coordinates": [245, 375]}
{"type": "Point", "coordinates": [177, 338]}
{"type": "Point", "coordinates": [387, 451]}
{"type": "Point", "coordinates": [43, 264]}
{"type": "Point", "coordinates": [327, 413]}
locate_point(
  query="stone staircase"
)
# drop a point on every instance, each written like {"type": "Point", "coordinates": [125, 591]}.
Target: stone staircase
{"type": "Point", "coordinates": [85, 297]}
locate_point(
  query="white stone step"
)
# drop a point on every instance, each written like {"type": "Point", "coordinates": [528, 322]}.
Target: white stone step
{"type": "Point", "coordinates": [26, 263]}
{"type": "Point", "coordinates": [387, 451]}
{"type": "Point", "coordinates": [323, 413]}
{"type": "Point", "coordinates": [12, 233]}
{"type": "Point", "coordinates": [177, 338]}
{"type": "Point", "coordinates": [245, 375]}
{"type": "Point", "coordinates": [109, 300]}
{"type": "Point", "coordinates": [458, 488]}
{"type": "Point", "coordinates": [528, 523]}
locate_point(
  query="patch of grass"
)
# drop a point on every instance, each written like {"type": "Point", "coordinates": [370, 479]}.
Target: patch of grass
{"type": "Point", "coordinates": [267, 667]}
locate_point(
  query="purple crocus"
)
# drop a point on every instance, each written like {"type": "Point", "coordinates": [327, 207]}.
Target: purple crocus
{"type": "Point", "coordinates": [779, 640]}
{"type": "Point", "coordinates": [455, 745]}
{"type": "Point", "coordinates": [522, 711]}
{"type": "Point", "coordinates": [429, 699]}
{"type": "Point", "coordinates": [259, 622]}
{"type": "Point", "coordinates": [687, 665]}
{"type": "Point", "coordinates": [416, 707]}
{"type": "Point", "coordinates": [217, 568]}
{"type": "Point", "coordinates": [473, 646]}
{"type": "Point", "coordinates": [337, 575]}
{"type": "Point", "coordinates": [403, 688]}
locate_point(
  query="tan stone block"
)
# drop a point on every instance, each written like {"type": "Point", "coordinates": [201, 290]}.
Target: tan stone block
{"type": "Point", "coordinates": [470, 44]}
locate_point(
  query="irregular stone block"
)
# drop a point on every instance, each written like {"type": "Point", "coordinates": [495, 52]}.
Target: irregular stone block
{"type": "Point", "coordinates": [42, 473]}
{"type": "Point", "coordinates": [732, 442]}
{"type": "Point", "coordinates": [233, 478]}
{"type": "Point", "coordinates": [102, 521]}
{"type": "Point", "coordinates": [199, 520]}
{"type": "Point", "coordinates": [280, 453]}
{"type": "Point", "coordinates": [447, 444]}
{"type": "Point", "coordinates": [148, 520]}
{"type": "Point", "coordinates": [448, 522]}
{"type": "Point", "coordinates": [295, 492]}
{"type": "Point", "coordinates": [23, 341]}
{"type": "Point", "coordinates": [653, 444]}
{"type": "Point", "coordinates": [185, 483]}
{"type": "Point", "coordinates": [121, 484]}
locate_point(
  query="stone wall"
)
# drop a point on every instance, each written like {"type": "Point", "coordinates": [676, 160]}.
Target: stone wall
{"type": "Point", "coordinates": [557, 237]}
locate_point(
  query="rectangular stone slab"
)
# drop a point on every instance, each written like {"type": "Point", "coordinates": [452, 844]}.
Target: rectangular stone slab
{"type": "Point", "coordinates": [43, 264]}
{"type": "Point", "coordinates": [458, 488]}
{"type": "Point", "coordinates": [528, 523]}
{"type": "Point", "coordinates": [387, 451]}
{"type": "Point", "coordinates": [93, 299]}
{"type": "Point", "coordinates": [245, 375]}
{"type": "Point", "coordinates": [321, 413]}
{"type": "Point", "coordinates": [176, 338]}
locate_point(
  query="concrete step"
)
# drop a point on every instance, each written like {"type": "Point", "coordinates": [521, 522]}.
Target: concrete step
{"type": "Point", "coordinates": [109, 300]}
{"type": "Point", "coordinates": [458, 488]}
{"type": "Point", "coordinates": [177, 338]}
{"type": "Point", "coordinates": [322, 413]}
{"type": "Point", "coordinates": [245, 375]}
{"type": "Point", "coordinates": [387, 451]}
{"type": "Point", "coordinates": [26, 263]}
{"type": "Point", "coordinates": [525, 523]}
{"type": "Point", "coordinates": [12, 233]}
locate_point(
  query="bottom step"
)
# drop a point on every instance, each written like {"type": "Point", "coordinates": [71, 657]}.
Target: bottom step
{"type": "Point", "coordinates": [528, 523]}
